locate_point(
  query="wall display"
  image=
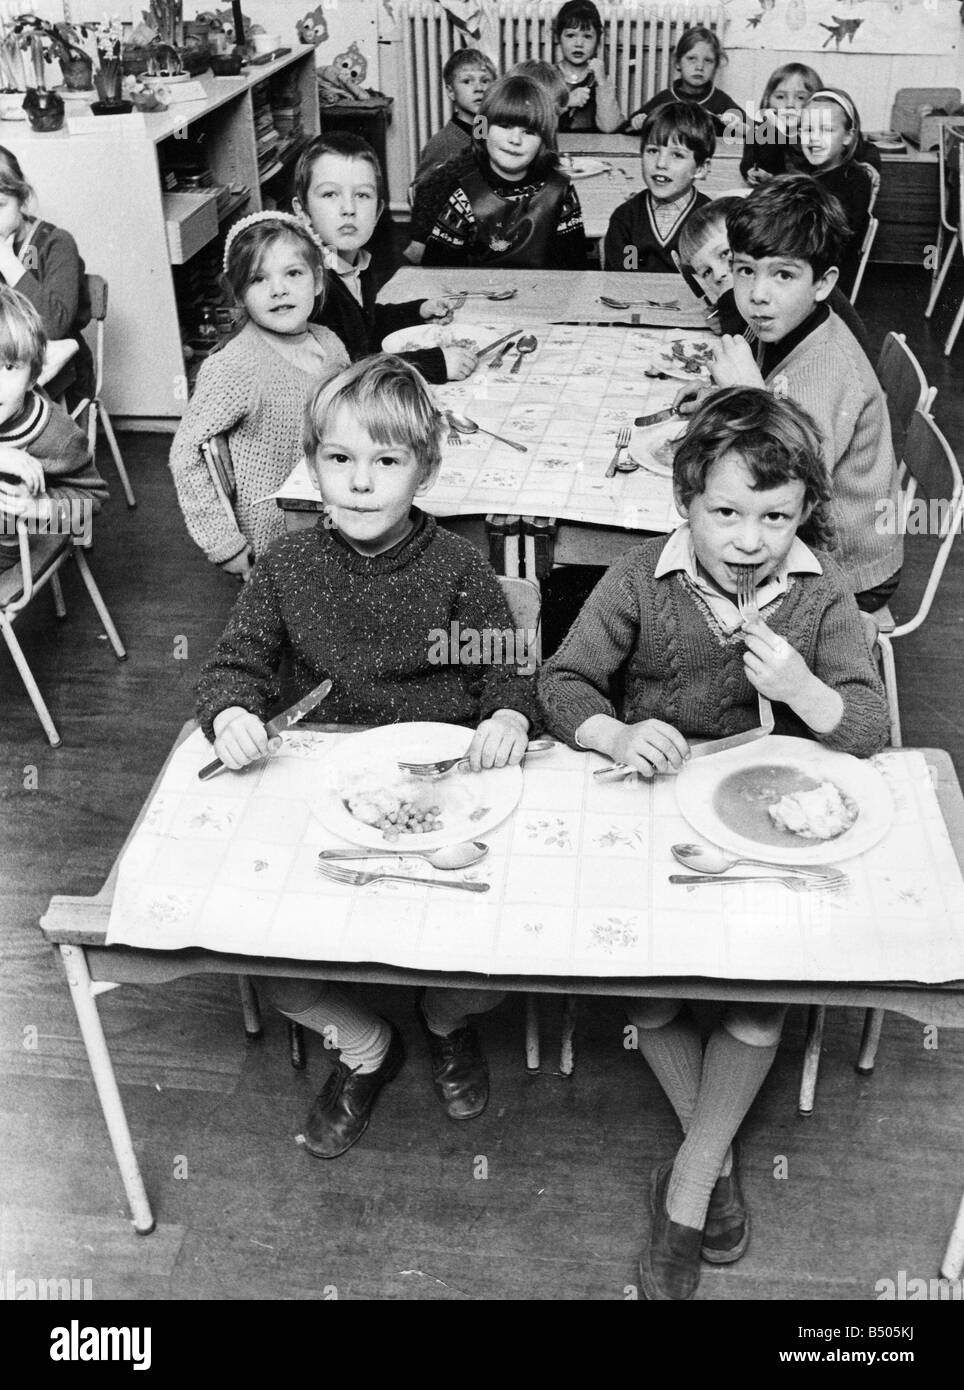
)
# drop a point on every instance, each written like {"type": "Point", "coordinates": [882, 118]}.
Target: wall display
{"type": "Point", "coordinates": [844, 26]}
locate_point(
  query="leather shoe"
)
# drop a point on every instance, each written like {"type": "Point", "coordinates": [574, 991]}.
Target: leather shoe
{"type": "Point", "coordinates": [727, 1231]}
{"type": "Point", "coordinates": [460, 1073]}
{"type": "Point", "coordinates": [343, 1108]}
{"type": "Point", "coordinates": [670, 1268]}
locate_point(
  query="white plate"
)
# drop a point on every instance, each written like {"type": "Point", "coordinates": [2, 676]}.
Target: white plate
{"type": "Point", "coordinates": [582, 168]}
{"type": "Point", "coordinates": [429, 335]}
{"type": "Point", "coordinates": [667, 362]}
{"type": "Point", "coordinates": [648, 446]}
{"type": "Point", "coordinates": [471, 803]}
{"type": "Point", "coordinates": [698, 784]}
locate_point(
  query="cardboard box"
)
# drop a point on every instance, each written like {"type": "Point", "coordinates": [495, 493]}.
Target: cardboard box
{"type": "Point", "coordinates": [912, 118]}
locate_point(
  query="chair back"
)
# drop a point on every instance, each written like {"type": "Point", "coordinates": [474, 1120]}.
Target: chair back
{"type": "Point", "coordinates": [874, 175]}
{"type": "Point", "coordinates": [904, 385]}
{"type": "Point", "coordinates": [932, 505]}
{"type": "Point", "coordinates": [524, 599]}
{"type": "Point", "coordinates": [217, 456]}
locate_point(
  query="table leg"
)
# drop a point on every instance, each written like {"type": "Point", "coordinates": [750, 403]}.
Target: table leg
{"type": "Point", "coordinates": [952, 1266]}
{"type": "Point", "coordinates": [532, 1032]}
{"type": "Point", "coordinates": [566, 1058]}
{"type": "Point", "coordinates": [102, 1070]}
{"type": "Point", "coordinates": [539, 533]}
{"type": "Point", "coordinates": [811, 1058]}
{"type": "Point", "coordinates": [503, 532]}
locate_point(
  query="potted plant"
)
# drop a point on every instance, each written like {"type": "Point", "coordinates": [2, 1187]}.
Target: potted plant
{"type": "Point", "coordinates": [64, 43]}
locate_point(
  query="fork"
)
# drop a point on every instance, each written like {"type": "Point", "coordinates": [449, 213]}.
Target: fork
{"type": "Point", "coordinates": [622, 440]}
{"type": "Point", "coordinates": [797, 885]}
{"type": "Point", "coordinates": [360, 878]}
{"type": "Point", "coordinates": [497, 360]}
{"type": "Point", "coordinates": [454, 440]}
{"type": "Point", "coordinates": [441, 766]}
{"type": "Point", "coordinates": [746, 602]}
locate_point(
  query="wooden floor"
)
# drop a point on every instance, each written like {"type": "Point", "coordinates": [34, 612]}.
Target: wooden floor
{"type": "Point", "coordinates": [872, 1180]}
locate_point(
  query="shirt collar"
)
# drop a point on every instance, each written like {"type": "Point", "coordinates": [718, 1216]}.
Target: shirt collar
{"type": "Point", "coordinates": [350, 275]}
{"type": "Point", "coordinates": [774, 353]}
{"type": "Point", "coordinates": [678, 555]}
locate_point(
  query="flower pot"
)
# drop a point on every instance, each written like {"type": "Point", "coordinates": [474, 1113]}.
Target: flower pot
{"type": "Point", "coordinates": [78, 74]}
{"type": "Point", "coordinates": [45, 110]}
{"type": "Point", "coordinates": [112, 108]}
{"type": "Point", "coordinates": [108, 81]}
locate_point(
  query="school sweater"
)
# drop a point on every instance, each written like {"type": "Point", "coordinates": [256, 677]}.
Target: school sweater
{"type": "Point", "coordinates": [647, 648]}
{"type": "Point", "coordinates": [822, 368]}
{"type": "Point", "coordinates": [248, 391]}
{"type": "Point", "coordinates": [54, 281]}
{"type": "Point", "coordinates": [454, 138]}
{"type": "Point", "coordinates": [45, 431]}
{"type": "Point", "coordinates": [370, 624]}
{"type": "Point", "coordinates": [632, 228]}
{"type": "Point", "coordinates": [716, 103]}
{"type": "Point", "coordinates": [361, 327]}
{"type": "Point", "coordinates": [442, 215]}
{"type": "Point", "coordinates": [599, 115]}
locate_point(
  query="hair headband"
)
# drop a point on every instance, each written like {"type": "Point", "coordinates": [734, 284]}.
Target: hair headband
{"type": "Point", "coordinates": [844, 102]}
{"type": "Point", "coordinates": [287, 219]}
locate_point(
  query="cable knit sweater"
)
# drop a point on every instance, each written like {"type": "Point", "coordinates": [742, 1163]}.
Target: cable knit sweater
{"type": "Point", "coordinates": [829, 375]}
{"type": "Point", "coordinates": [646, 648]}
{"type": "Point", "coordinates": [250, 392]}
{"type": "Point", "coordinates": [368, 623]}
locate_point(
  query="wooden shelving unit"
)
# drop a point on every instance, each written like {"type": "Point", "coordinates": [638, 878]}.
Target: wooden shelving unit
{"type": "Point", "coordinates": [105, 188]}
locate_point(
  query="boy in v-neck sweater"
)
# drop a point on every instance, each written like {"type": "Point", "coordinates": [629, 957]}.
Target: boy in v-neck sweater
{"type": "Point", "coordinates": [676, 145]}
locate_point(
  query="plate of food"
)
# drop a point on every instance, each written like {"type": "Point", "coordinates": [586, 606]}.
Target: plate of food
{"type": "Point", "coordinates": [366, 798]}
{"type": "Point", "coordinates": [685, 360]}
{"type": "Point", "coordinates": [652, 446]}
{"type": "Point", "coordinates": [578, 168]}
{"type": "Point", "coordinates": [787, 799]}
{"type": "Point", "coordinates": [473, 336]}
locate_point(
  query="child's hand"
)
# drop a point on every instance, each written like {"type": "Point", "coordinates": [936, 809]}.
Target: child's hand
{"type": "Point", "coordinates": [638, 121]}
{"type": "Point", "coordinates": [21, 465]}
{"type": "Point", "coordinates": [598, 68]}
{"type": "Point", "coordinates": [499, 741]}
{"type": "Point", "coordinates": [441, 310]}
{"type": "Point", "coordinates": [578, 96]}
{"type": "Point", "coordinates": [459, 362]}
{"type": "Point", "coordinates": [650, 747]}
{"type": "Point", "coordinates": [773, 667]}
{"type": "Point", "coordinates": [240, 566]}
{"type": "Point", "coordinates": [756, 176]}
{"type": "Point", "coordinates": [241, 738]}
{"type": "Point", "coordinates": [688, 398]}
{"type": "Point", "coordinates": [734, 363]}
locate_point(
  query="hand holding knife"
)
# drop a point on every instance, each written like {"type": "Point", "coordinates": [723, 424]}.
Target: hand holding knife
{"type": "Point", "coordinates": [275, 727]}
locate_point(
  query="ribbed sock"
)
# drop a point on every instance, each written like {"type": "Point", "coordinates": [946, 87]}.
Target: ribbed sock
{"type": "Point", "coordinates": [675, 1056]}
{"type": "Point", "coordinates": [360, 1036]}
{"type": "Point", "coordinates": [733, 1073]}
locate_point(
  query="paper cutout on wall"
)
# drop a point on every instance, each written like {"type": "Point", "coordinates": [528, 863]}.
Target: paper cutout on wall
{"type": "Point", "coordinates": [844, 26]}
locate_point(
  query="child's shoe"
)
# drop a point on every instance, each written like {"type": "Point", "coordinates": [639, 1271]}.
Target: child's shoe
{"type": "Point", "coordinates": [459, 1070]}
{"type": "Point", "coordinates": [727, 1231]}
{"type": "Point", "coordinates": [343, 1108]}
{"type": "Point", "coordinates": [670, 1267]}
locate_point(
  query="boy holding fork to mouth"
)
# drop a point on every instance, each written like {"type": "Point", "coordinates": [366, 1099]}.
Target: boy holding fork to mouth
{"type": "Point", "coordinates": [661, 653]}
{"type": "Point", "coordinates": [358, 599]}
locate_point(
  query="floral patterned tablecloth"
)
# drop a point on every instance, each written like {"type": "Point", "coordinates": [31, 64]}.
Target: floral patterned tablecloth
{"type": "Point", "coordinates": [579, 884]}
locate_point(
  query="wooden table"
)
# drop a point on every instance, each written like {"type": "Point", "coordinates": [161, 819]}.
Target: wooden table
{"type": "Point", "coordinates": [532, 542]}
{"type": "Point", "coordinates": [77, 926]}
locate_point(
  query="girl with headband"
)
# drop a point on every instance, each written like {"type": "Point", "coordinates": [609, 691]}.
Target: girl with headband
{"type": "Point", "coordinates": [832, 145]}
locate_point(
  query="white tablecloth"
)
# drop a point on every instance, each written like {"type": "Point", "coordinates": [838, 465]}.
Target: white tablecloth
{"type": "Point", "coordinates": [579, 884]}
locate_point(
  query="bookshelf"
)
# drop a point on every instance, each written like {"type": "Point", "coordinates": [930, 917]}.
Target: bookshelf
{"type": "Point", "coordinates": [107, 187]}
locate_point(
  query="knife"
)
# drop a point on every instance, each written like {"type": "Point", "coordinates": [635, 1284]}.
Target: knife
{"type": "Point", "coordinates": [275, 727]}
{"type": "Point", "coordinates": [498, 343]}
{"type": "Point", "coordinates": [642, 420]}
{"type": "Point", "coordinates": [712, 745]}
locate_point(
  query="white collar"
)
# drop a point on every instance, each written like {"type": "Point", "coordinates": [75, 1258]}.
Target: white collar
{"type": "Point", "coordinates": [334, 262]}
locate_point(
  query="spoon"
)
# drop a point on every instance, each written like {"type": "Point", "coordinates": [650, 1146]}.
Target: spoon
{"type": "Point", "coordinates": [450, 857]}
{"type": "Point", "coordinates": [628, 303]}
{"type": "Point", "coordinates": [706, 860]}
{"type": "Point", "coordinates": [526, 344]}
{"type": "Point", "coordinates": [463, 425]}
{"type": "Point", "coordinates": [485, 294]}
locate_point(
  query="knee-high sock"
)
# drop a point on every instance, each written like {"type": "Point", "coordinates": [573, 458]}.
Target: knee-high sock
{"type": "Point", "coordinates": [362, 1037]}
{"type": "Point", "coordinates": [675, 1056]}
{"type": "Point", "coordinates": [733, 1073]}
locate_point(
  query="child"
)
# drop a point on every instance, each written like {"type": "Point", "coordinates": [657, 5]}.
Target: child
{"type": "Point", "coordinates": [677, 145]}
{"type": "Point", "coordinates": [339, 192]}
{"type": "Point", "coordinates": [786, 240]}
{"type": "Point", "coordinates": [773, 137]}
{"type": "Point", "coordinates": [705, 263]}
{"type": "Point", "coordinates": [378, 566]}
{"type": "Point", "coordinates": [659, 655]}
{"type": "Point", "coordinates": [466, 75]}
{"type": "Point", "coordinates": [47, 474]}
{"type": "Point", "coordinates": [255, 388]}
{"type": "Point", "coordinates": [550, 77]}
{"type": "Point", "coordinates": [831, 140]}
{"type": "Point", "coordinates": [697, 59]}
{"type": "Point", "coordinates": [42, 262]}
{"type": "Point", "coordinates": [592, 104]}
{"type": "Point", "coordinates": [505, 203]}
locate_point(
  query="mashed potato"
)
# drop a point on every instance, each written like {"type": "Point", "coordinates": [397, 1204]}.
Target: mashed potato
{"type": "Point", "coordinates": [819, 814]}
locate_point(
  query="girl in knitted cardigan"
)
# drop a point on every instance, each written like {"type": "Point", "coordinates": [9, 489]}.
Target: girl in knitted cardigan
{"type": "Point", "coordinates": [255, 389]}
{"type": "Point", "coordinates": [660, 654]}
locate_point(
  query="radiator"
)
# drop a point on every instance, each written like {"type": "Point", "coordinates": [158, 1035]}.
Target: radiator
{"type": "Point", "coordinates": [638, 43]}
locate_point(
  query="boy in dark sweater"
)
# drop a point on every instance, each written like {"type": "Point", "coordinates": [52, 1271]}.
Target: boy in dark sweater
{"type": "Point", "coordinates": [47, 475]}
{"type": "Point", "coordinates": [357, 599]}
{"type": "Point", "coordinates": [661, 653]}
{"type": "Point", "coordinates": [466, 75]}
{"type": "Point", "coordinates": [677, 144]}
